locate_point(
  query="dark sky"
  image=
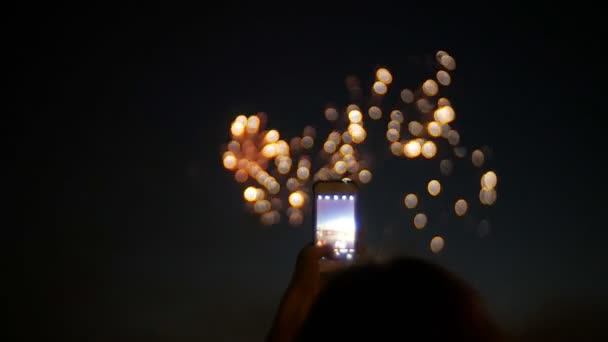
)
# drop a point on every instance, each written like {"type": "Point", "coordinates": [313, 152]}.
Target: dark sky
{"type": "Point", "coordinates": [133, 229]}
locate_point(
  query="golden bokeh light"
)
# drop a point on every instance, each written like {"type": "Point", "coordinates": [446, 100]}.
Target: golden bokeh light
{"type": "Point", "coordinates": [352, 107]}
{"type": "Point", "coordinates": [397, 148]}
{"type": "Point", "coordinates": [434, 129]}
{"type": "Point", "coordinates": [460, 207]}
{"type": "Point", "coordinates": [296, 199]}
{"type": "Point", "coordinates": [384, 76]}
{"type": "Point", "coordinates": [407, 96]}
{"type": "Point", "coordinates": [346, 149]}
{"type": "Point", "coordinates": [242, 119]}
{"type": "Point", "coordinates": [453, 137]}
{"type": "Point", "coordinates": [440, 54]}
{"type": "Point", "coordinates": [429, 149]}
{"type": "Point", "coordinates": [430, 88]}
{"type": "Point", "coordinates": [303, 173]}
{"type": "Point", "coordinates": [375, 113]}
{"type": "Point", "coordinates": [347, 138]}
{"type": "Point", "coordinates": [358, 133]}
{"type": "Point", "coordinates": [448, 62]}
{"type": "Point", "coordinates": [443, 102]}
{"type": "Point", "coordinates": [415, 128]}
{"type": "Point", "coordinates": [260, 194]}
{"type": "Point", "coordinates": [335, 137]}
{"type": "Point", "coordinates": [237, 129]}
{"type": "Point", "coordinates": [331, 114]}
{"type": "Point", "coordinates": [420, 220]}
{"type": "Point", "coordinates": [250, 194]}
{"type": "Point", "coordinates": [304, 162]}
{"type": "Point", "coordinates": [478, 158]}
{"type": "Point", "coordinates": [241, 176]}
{"type": "Point", "coordinates": [444, 78]}
{"type": "Point", "coordinates": [392, 134]}
{"type": "Point", "coordinates": [261, 206]}
{"type": "Point", "coordinates": [394, 125]}
{"type": "Point", "coordinates": [234, 146]}
{"type": "Point", "coordinates": [329, 147]}
{"type": "Point", "coordinates": [410, 201]}
{"type": "Point", "coordinates": [444, 114]}
{"type": "Point", "coordinates": [229, 161]}
{"type": "Point", "coordinates": [292, 184]}
{"type": "Point", "coordinates": [380, 88]}
{"type": "Point", "coordinates": [365, 176]}
{"type": "Point", "coordinates": [434, 187]}
{"type": "Point", "coordinates": [412, 149]}
{"type": "Point", "coordinates": [307, 142]}
{"type": "Point", "coordinates": [270, 151]}
{"type": "Point", "coordinates": [437, 244]}
{"type": "Point", "coordinates": [487, 196]}
{"type": "Point", "coordinates": [489, 180]}
{"type": "Point", "coordinates": [253, 124]}
{"type": "Point", "coordinates": [355, 116]}
{"type": "Point", "coordinates": [272, 136]}
{"type": "Point", "coordinates": [340, 167]}
{"type": "Point", "coordinates": [397, 115]}
{"type": "Point", "coordinates": [424, 105]}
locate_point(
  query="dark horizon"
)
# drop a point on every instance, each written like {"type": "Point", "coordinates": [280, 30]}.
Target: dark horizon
{"type": "Point", "coordinates": [135, 230]}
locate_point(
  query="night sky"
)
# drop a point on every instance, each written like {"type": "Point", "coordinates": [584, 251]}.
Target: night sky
{"type": "Point", "coordinates": [132, 228]}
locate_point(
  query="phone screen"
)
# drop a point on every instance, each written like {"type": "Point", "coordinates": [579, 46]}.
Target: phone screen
{"type": "Point", "coordinates": [336, 223]}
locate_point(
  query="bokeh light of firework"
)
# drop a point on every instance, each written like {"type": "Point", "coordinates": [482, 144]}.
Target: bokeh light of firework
{"type": "Point", "coordinates": [277, 172]}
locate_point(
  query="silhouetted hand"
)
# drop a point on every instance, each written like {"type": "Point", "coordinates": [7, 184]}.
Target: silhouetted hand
{"type": "Point", "coordinates": [302, 292]}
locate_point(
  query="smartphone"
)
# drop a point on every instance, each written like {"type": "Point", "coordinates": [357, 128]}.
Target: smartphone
{"type": "Point", "coordinates": [335, 217]}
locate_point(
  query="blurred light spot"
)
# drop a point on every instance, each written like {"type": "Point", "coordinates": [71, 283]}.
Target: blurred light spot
{"type": "Point", "coordinates": [331, 114]}
{"type": "Point", "coordinates": [296, 218]}
{"type": "Point", "coordinates": [241, 176]}
{"type": "Point", "coordinates": [429, 149]}
{"type": "Point", "coordinates": [250, 194]}
{"type": "Point", "coordinates": [284, 167]}
{"type": "Point", "coordinates": [230, 161]}
{"type": "Point", "coordinates": [437, 244]}
{"type": "Point", "coordinates": [392, 135]}
{"type": "Point", "coordinates": [415, 128]}
{"type": "Point", "coordinates": [270, 151]}
{"type": "Point", "coordinates": [340, 167]}
{"type": "Point", "coordinates": [242, 163]}
{"type": "Point", "coordinates": [347, 138]}
{"type": "Point", "coordinates": [272, 136]}
{"type": "Point", "coordinates": [253, 124]}
{"type": "Point", "coordinates": [453, 137]}
{"type": "Point", "coordinates": [307, 142]}
{"type": "Point", "coordinates": [396, 115]}
{"type": "Point", "coordinates": [329, 146]}
{"type": "Point", "coordinates": [411, 201]}
{"type": "Point", "coordinates": [296, 199]}
{"type": "Point", "coordinates": [384, 76]}
{"type": "Point", "coordinates": [448, 62]}
{"type": "Point", "coordinates": [234, 146]}
{"type": "Point", "coordinates": [412, 149]}
{"type": "Point", "coordinates": [304, 162]}
{"type": "Point", "coordinates": [394, 125]}
{"type": "Point", "coordinates": [420, 220]}
{"type": "Point", "coordinates": [444, 114]}
{"type": "Point", "coordinates": [295, 144]}
{"type": "Point", "coordinates": [375, 113]}
{"type": "Point", "coordinates": [446, 167]}
{"type": "Point", "coordinates": [309, 131]}
{"type": "Point", "coordinates": [274, 188]}
{"type": "Point", "coordinates": [365, 176]}
{"type": "Point", "coordinates": [477, 158]}
{"type": "Point", "coordinates": [380, 88]}
{"type": "Point", "coordinates": [460, 151]}
{"type": "Point", "coordinates": [444, 78]}
{"type": "Point", "coordinates": [443, 102]}
{"type": "Point", "coordinates": [487, 196]}
{"type": "Point", "coordinates": [355, 116]}
{"type": "Point", "coordinates": [489, 180]}
{"type": "Point", "coordinates": [292, 184]}
{"type": "Point", "coordinates": [434, 129]}
{"type": "Point", "coordinates": [440, 54]}
{"type": "Point", "coordinates": [424, 106]}
{"type": "Point", "coordinates": [397, 148]}
{"type": "Point", "coordinates": [407, 96]}
{"type": "Point", "coordinates": [430, 88]}
{"type": "Point", "coordinates": [261, 206]}
{"type": "Point", "coordinates": [460, 207]}
{"type": "Point", "coordinates": [303, 173]}
{"type": "Point", "coordinates": [270, 218]}
{"type": "Point", "coordinates": [352, 107]}
{"type": "Point", "coordinates": [237, 129]}
{"type": "Point", "coordinates": [346, 149]}
{"type": "Point", "coordinates": [434, 187]}
{"type": "Point", "coordinates": [259, 194]}
{"type": "Point", "coordinates": [445, 130]}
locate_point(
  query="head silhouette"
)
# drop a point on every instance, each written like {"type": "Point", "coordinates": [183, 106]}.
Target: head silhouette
{"type": "Point", "coordinates": [404, 300]}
